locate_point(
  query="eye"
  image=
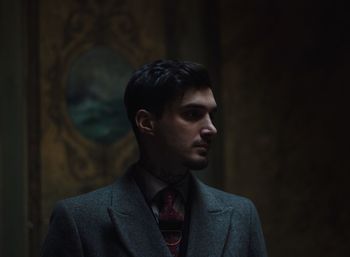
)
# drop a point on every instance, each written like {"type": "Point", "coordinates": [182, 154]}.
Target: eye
{"type": "Point", "coordinates": [193, 114]}
{"type": "Point", "coordinates": [212, 115]}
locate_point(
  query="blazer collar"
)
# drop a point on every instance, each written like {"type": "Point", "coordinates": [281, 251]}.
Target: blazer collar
{"type": "Point", "coordinates": [134, 220]}
{"type": "Point", "coordinates": [139, 232]}
{"type": "Point", "coordinates": [209, 222]}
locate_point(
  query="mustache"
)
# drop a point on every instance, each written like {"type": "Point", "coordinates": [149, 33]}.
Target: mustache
{"type": "Point", "coordinates": [202, 143]}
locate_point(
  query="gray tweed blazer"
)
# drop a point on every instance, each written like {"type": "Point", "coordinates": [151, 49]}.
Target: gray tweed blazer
{"type": "Point", "coordinates": [115, 221]}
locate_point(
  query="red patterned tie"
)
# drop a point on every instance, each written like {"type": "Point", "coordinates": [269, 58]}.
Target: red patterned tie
{"type": "Point", "coordinates": [170, 221]}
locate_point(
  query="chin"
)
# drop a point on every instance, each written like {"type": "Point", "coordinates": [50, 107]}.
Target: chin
{"type": "Point", "coordinates": [197, 164]}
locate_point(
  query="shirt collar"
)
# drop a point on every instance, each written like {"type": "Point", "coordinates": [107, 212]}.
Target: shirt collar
{"type": "Point", "coordinates": [151, 185]}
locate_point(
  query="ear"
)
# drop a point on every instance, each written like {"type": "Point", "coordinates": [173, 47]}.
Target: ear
{"type": "Point", "coordinates": [145, 122]}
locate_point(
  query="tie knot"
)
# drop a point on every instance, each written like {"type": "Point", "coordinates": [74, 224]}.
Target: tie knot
{"type": "Point", "coordinates": [168, 196]}
{"type": "Point", "coordinates": [167, 209]}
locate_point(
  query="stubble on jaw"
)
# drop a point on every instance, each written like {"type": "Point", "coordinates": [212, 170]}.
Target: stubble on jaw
{"type": "Point", "coordinates": [196, 165]}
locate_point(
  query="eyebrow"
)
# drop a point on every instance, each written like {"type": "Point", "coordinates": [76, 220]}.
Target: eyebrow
{"type": "Point", "coordinates": [199, 106]}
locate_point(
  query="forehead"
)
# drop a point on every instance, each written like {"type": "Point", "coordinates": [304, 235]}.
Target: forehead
{"type": "Point", "coordinates": [197, 97]}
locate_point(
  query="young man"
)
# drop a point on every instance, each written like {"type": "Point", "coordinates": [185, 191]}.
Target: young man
{"type": "Point", "coordinates": [159, 208]}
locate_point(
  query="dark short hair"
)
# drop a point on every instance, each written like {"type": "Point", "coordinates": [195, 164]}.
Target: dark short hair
{"type": "Point", "coordinates": [156, 84]}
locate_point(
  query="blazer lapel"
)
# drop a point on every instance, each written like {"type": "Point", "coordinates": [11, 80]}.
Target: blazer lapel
{"type": "Point", "coordinates": [209, 223]}
{"type": "Point", "coordinates": [134, 221]}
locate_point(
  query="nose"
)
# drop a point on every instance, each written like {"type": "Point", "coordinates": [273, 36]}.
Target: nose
{"type": "Point", "coordinates": [209, 130]}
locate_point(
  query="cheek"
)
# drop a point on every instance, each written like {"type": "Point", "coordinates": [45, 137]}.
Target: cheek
{"type": "Point", "coordinates": [182, 139]}
{"type": "Point", "coordinates": [178, 133]}
{"type": "Point", "coordinates": [177, 136]}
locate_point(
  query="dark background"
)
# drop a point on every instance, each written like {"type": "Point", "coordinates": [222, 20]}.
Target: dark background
{"type": "Point", "coordinates": [280, 71]}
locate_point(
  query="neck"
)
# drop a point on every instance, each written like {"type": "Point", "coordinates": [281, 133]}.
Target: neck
{"type": "Point", "coordinates": [170, 175]}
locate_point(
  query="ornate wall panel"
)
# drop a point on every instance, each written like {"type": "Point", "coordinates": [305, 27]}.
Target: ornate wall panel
{"type": "Point", "coordinates": [85, 142]}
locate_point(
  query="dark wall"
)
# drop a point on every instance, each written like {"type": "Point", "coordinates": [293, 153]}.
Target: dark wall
{"type": "Point", "coordinates": [12, 131]}
{"type": "Point", "coordinates": [285, 82]}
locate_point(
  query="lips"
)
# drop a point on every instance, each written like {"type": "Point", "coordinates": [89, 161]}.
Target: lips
{"type": "Point", "coordinates": [203, 145]}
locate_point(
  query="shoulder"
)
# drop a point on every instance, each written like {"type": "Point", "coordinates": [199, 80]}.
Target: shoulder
{"type": "Point", "coordinates": [245, 222]}
{"type": "Point", "coordinates": [90, 202]}
{"type": "Point", "coordinates": [96, 197]}
{"type": "Point", "coordinates": [95, 203]}
{"type": "Point", "coordinates": [240, 204]}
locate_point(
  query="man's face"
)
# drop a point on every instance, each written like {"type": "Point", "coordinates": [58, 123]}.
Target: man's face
{"type": "Point", "coordinates": [185, 130]}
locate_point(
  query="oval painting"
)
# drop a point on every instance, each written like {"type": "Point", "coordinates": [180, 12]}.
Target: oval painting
{"type": "Point", "coordinates": [95, 89]}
